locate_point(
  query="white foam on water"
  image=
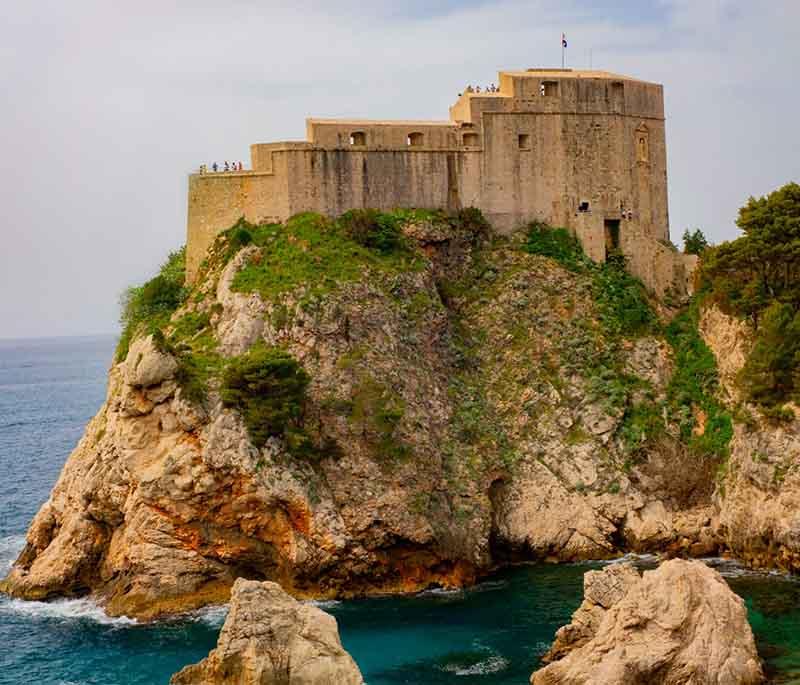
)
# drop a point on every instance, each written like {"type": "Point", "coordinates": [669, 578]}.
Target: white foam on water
{"type": "Point", "coordinates": [64, 609]}
{"type": "Point", "coordinates": [10, 547]}
{"type": "Point", "coordinates": [213, 615]}
{"type": "Point", "coordinates": [633, 558]}
{"type": "Point", "coordinates": [441, 592]}
{"type": "Point", "coordinates": [492, 664]}
{"type": "Point", "coordinates": [323, 603]}
{"type": "Point", "coordinates": [732, 568]}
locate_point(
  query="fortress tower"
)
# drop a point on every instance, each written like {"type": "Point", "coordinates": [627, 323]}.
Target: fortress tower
{"type": "Point", "coordinates": [580, 149]}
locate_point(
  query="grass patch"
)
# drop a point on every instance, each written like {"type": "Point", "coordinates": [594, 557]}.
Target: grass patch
{"type": "Point", "coordinates": [316, 253]}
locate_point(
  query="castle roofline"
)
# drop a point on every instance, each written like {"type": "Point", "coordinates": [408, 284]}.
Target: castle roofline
{"type": "Point", "coordinates": [379, 122]}
{"type": "Point", "coordinates": [541, 72]}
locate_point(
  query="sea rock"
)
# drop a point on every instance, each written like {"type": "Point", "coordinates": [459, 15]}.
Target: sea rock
{"type": "Point", "coordinates": [677, 624]}
{"type": "Point", "coordinates": [271, 639]}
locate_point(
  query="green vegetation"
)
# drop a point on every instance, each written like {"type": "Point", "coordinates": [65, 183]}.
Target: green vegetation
{"type": "Point", "coordinates": [757, 277]}
{"type": "Point", "coordinates": [624, 313]}
{"type": "Point", "coordinates": [373, 229]}
{"type": "Point", "coordinates": [557, 243]}
{"type": "Point", "coordinates": [621, 298]}
{"type": "Point", "coordinates": [695, 242]}
{"type": "Point", "coordinates": [378, 410]}
{"type": "Point", "coordinates": [317, 253]}
{"type": "Point", "coordinates": [695, 386]}
{"type": "Point", "coordinates": [148, 307]}
{"type": "Point", "coordinates": [267, 386]}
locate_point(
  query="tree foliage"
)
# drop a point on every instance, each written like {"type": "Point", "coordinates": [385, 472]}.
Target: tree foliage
{"type": "Point", "coordinates": [695, 242]}
{"type": "Point", "coordinates": [267, 385]}
{"type": "Point", "coordinates": [757, 276]}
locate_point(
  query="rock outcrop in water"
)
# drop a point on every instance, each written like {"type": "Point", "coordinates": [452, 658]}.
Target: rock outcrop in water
{"type": "Point", "coordinates": [678, 624]}
{"type": "Point", "coordinates": [271, 639]}
{"type": "Point", "coordinates": [469, 404]}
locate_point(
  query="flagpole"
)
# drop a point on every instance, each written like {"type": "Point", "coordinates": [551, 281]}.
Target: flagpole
{"type": "Point", "coordinates": [562, 50]}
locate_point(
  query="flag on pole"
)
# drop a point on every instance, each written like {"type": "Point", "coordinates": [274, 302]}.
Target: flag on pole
{"type": "Point", "coordinates": [563, 40]}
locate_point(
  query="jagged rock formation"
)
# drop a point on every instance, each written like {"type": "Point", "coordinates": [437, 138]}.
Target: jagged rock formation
{"type": "Point", "coordinates": [271, 639]}
{"type": "Point", "coordinates": [680, 623]}
{"type": "Point", "coordinates": [759, 498]}
{"type": "Point", "coordinates": [457, 412]}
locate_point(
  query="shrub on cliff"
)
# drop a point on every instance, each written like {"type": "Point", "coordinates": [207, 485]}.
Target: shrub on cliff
{"type": "Point", "coordinates": [267, 385]}
{"type": "Point", "coordinates": [149, 306]}
{"type": "Point", "coordinates": [694, 387]}
{"type": "Point", "coordinates": [757, 277]}
{"type": "Point", "coordinates": [557, 243]}
{"type": "Point", "coordinates": [621, 298]}
{"type": "Point", "coordinates": [373, 229]}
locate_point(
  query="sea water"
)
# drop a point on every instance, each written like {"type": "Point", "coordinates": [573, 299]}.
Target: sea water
{"type": "Point", "coordinates": [491, 634]}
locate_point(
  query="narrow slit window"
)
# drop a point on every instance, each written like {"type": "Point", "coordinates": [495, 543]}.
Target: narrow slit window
{"type": "Point", "coordinates": [358, 138]}
{"type": "Point", "coordinates": [642, 144]}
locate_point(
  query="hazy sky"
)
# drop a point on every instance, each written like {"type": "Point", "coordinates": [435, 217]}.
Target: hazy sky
{"type": "Point", "coordinates": [106, 106]}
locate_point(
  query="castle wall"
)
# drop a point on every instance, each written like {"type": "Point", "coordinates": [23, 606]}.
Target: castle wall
{"type": "Point", "coordinates": [584, 150]}
{"type": "Point", "coordinates": [662, 269]}
{"type": "Point", "coordinates": [217, 201]}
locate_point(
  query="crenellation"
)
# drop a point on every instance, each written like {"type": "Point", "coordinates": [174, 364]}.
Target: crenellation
{"type": "Point", "coordinates": [580, 149]}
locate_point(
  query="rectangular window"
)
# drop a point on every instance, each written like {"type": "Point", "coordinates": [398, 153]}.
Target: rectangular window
{"type": "Point", "coordinates": [524, 140]}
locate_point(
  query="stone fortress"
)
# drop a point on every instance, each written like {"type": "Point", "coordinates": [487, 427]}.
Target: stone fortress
{"type": "Point", "coordinates": [581, 149]}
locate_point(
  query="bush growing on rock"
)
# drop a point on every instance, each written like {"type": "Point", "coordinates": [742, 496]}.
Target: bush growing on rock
{"type": "Point", "coordinates": [373, 229]}
{"type": "Point", "coordinates": [267, 385]}
{"type": "Point", "coordinates": [152, 304]}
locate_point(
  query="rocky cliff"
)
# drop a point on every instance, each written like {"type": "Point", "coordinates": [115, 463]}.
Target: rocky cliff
{"type": "Point", "coordinates": [468, 403]}
{"type": "Point", "coordinates": [758, 496]}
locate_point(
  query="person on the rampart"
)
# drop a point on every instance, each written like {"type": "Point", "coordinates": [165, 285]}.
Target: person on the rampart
{"type": "Point", "coordinates": [214, 167]}
{"type": "Point", "coordinates": [227, 166]}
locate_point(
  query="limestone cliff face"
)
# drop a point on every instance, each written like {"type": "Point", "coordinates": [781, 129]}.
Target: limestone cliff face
{"type": "Point", "coordinates": [457, 428]}
{"type": "Point", "coordinates": [680, 623]}
{"type": "Point", "coordinates": [759, 497]}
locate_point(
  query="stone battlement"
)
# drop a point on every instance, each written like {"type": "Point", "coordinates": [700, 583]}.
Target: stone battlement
{"type": "Point", "coordinates": [581, 149]}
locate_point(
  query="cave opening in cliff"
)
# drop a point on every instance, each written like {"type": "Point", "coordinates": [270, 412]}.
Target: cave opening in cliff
{"type": "Point", "coordinates": [500, 548]}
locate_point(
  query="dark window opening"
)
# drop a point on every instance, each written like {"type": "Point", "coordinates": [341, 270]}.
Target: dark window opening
{"type": "Point", "coordinates": [524, 140]}
{"type": "Point", "coordinates": [583, 206]}
{"type": "Point", "coordinates": [549, 88]}
{"type": "Point", "coordinates": [470, 139]}
{"type": "Point", "coordinates": [612, 234]}
{"type": "Point", "coordinates": [358, 138]}
{"type": "Point", "coordinates": [415, 139]}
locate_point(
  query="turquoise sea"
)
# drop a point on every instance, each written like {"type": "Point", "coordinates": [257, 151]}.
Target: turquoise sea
{"type": "Point", "coordinates": [492, 634]}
